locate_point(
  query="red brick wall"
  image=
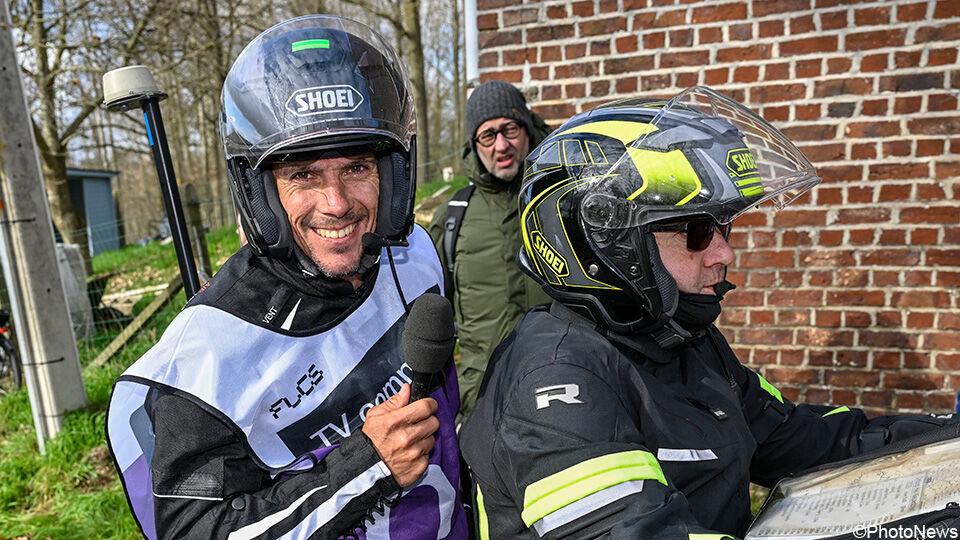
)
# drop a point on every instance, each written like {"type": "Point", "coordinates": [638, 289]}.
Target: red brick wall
{"type": "Point", "coordinates": [851, 296]}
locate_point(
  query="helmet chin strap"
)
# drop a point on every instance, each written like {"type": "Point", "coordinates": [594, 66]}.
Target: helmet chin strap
{"type": "Point", "coordinates": [306, 263]}
{"type": "Point", "coordinates": [673, 333]}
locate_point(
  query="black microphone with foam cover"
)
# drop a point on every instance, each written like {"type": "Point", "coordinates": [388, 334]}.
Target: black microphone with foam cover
{"type": "Point", "coordinates": [428, 338]}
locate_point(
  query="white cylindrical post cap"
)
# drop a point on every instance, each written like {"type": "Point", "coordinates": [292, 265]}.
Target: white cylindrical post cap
{"type": "Point", "coordinates": [128, 82]}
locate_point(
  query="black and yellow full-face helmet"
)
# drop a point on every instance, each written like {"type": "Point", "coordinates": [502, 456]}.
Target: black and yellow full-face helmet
{"type": "Point", "coordinates": [596, 188]}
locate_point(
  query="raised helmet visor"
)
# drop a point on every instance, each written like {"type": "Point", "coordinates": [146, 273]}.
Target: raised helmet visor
{"type": "Point", "coordinates": [727, 161]}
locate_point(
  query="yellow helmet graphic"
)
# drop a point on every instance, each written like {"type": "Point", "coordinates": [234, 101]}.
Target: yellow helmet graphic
{"type": "Point", "coordinates": [594, 191]}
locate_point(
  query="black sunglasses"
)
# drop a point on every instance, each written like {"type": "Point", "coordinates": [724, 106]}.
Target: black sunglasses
{"type": "Point", "coordinates": [699, 232]}
{"type": "Point", "coordinates": [487, 137]}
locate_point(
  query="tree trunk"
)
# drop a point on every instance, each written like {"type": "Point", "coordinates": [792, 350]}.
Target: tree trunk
{"type": "Point", "coordinates": [219, 30]}
{"type": "Point", "coordinates": [411, 15]}
{"type": "Point", "coordinates": [458, 86]}
{"type": "Point", "coordinates": [400, 33]}
{"type": "Point", "coordinates": [68, 221]}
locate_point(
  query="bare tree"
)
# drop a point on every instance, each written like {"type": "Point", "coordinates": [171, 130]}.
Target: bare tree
{"type": "Point", "coordinates": [56, 59]}
{"type": "Point", "coordinates": [190, 54]}
{"type": "Point", "coordinates": [411, 17]}
{"type": "Point", "coordinates": [459, 101]}
{"type": "Point", "coordinates": [403, 17]}
{"type": "Point", "coordinates": [309, 7]}
{"type": "Point", "coordinates": [441, 37]}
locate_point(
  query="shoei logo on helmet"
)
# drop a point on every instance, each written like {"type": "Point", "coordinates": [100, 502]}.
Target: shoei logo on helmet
{"type": "Point", "coordinates": [324, 99]}
{"type": "Point", "coordinates": [741, 163]}
{"type": "Point", "coordinates": [549, 255]}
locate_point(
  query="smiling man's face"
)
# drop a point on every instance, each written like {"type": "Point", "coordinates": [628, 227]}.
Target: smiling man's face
{"type": "Point", "coordinates": [331, 203]}
{"type": "Point", "coordinates": [505, 156]}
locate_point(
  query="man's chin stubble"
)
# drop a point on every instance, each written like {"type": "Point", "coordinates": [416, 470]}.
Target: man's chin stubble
{"type": "Point", "coordinates": [352, 270]}
{"type": "Point", "coordinates": [340, 275]}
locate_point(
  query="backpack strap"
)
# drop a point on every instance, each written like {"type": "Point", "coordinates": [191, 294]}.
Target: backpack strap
{"type": "Point", "coordinates": [456, 208]}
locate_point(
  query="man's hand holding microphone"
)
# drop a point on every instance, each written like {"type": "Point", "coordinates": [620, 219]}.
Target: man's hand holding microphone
{"type": "Point", "coordinates": [401, 428]}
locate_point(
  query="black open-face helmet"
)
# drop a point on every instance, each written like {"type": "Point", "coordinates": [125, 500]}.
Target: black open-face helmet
{"type": "Point", "coordinates": [311, 87]}
{"type": "Point", "coordinates": [597, 188]}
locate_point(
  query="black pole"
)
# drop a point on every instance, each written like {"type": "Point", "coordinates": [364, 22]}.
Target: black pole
{"type": "Point", "coordinates": [171, 195]}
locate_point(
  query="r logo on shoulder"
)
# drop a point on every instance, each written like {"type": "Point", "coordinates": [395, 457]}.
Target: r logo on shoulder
{"type": "Point", "coordinates": [566, 393]}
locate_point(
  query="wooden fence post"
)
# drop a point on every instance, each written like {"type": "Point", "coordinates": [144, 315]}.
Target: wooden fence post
{"type": "Point", "coordinates": [197, 231]}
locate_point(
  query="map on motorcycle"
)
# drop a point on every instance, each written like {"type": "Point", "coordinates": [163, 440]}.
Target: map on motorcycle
{"type": "Point", "coordinates": [857, 495]}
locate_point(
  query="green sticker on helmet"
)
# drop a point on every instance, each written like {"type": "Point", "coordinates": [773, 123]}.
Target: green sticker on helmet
{"type": "Point", "coordinates": [311, 44]}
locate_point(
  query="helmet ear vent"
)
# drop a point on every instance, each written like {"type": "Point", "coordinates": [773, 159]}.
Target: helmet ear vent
{"type": "Point", "coordinates": [401, 191]}
{"type": "Point", "coordinates": [262, 216]}
{"type": "Point", "coordinates": [395, 213]}
{"type": "Point", "coordinates": [666, 285]}
{"type": "Point", "coordinates": [265, 218]}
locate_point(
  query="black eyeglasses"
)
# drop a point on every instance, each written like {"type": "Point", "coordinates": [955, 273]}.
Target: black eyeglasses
{"type": "Point", "coordinates": [699, 231]}
{"type": "Point", "coordinates": [487, 137]}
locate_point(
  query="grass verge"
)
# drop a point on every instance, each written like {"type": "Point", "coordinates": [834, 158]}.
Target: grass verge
{"type": "Point", "coordinates": [427, 190]}
{"type": "Point", "coordinates": [72, 491]}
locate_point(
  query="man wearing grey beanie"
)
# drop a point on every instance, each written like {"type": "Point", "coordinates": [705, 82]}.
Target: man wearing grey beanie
{"type": "Point", "coordinates": [477, 232]}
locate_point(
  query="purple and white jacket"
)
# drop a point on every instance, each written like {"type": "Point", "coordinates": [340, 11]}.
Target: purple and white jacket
{"type": "Point", "coordinates": [243, 421]}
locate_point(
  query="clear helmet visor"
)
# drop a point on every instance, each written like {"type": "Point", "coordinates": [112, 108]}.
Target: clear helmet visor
{"type": "Point", "coordinates": [310, 78]}
{"type": "Point", "coordinates": [702, 154]}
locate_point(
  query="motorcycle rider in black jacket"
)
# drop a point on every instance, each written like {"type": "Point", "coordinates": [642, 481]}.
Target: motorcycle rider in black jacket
{"type": "Point", "coordinates": [620, 411]}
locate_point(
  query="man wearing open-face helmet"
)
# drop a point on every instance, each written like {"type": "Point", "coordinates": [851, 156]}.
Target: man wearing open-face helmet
{"type": "Point", "coordinates": [620, 410]}
{"type": "Point", "coordinates": [277, 403]}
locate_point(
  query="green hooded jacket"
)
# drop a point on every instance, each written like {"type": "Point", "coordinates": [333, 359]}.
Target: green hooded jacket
{"type": "Point", "coordinates": [490, 293]}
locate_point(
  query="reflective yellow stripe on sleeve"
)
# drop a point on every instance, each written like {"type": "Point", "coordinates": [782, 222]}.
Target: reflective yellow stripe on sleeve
{"type": "Point", "coordinates": [837, 410]}
{"type": "Point", "coordinates": [574, 483]}
{"type": "Point", "coordinates": [482, 522]}
{"type": "Point", "coordinates": [771, 389]}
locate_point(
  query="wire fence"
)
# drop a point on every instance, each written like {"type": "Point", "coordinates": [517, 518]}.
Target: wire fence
{"type": "Point", "coordinates": [118, 266]}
